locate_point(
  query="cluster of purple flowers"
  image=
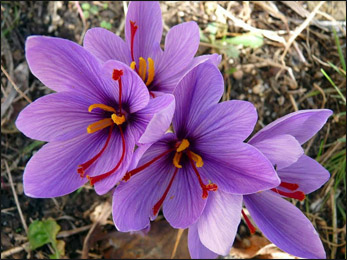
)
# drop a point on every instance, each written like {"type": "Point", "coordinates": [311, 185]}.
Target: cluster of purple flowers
{"type": "Point", "coordinates": [108, 124]}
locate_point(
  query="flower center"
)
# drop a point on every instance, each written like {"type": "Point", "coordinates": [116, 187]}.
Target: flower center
{"type": "Point", "coordinates": [143, 68]}
{"type": "Point", "coordinates": [181, 148]}
{"type": "Point", "coordinates": [116, 118]}
{"type": "Point", "coordinates": [299, 195]}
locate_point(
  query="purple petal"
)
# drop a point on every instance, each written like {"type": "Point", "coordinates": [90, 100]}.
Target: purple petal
{"type": "Point", "coordinates": [284, 225]}
{"type": "Point", "coordinates": [133, 201]}
{"type": "Point", "coordinates": [218, 224]}
{"type": "Point", "coordinates": [52, 171]}
{"type": "Point", "coordinates": [302, 125]}
{"type": "Point", "coordinates": [197, 92]}
{"type": "Point", "coordinates": [63, 65]}
{"type": "Point", "coordinates": [156, 117]}
{"type": "Point", "coordinates": [281, 150]}
{"type": "Point", "coordinates": [181, 44]}
{"type": "Point", "coordinates": [228, 121]}
{"type": "Point", "coordinates": [110, 159]}
{"type": "Point", "coordinates": [106, 45]}
{"type": "Point", "coordinates": [58, 116]}
{"type": "Point", "coordinates": [196, 249]}
{"type": "Point", "coordinates": [147, 16]}
{"type": "Point", "coordinates": [307, 173]}
{"type": "Point", "coordinates": [214, 58]}
{"type": "Point", "coordinates": [184, 203]}
{"type": "Point", "coordinates": [134, 92]}
{"type": "Point", "coordinates": [138, 153]}
{"type": "Point", "coordinates": [238, 168]}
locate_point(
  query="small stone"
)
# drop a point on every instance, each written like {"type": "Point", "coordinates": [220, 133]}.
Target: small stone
{"type": "Point", "coordinates": [238, 75]}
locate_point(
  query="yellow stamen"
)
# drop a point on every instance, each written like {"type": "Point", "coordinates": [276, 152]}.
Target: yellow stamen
{"type": "Point", "coordinates": [142, 68]}
{"type": "Point", "coordinates": [184, 145]}
{"type": "Point", "coordinates": [196, 158]}
{"type": "Point", "coordinates": [102, 106]}
{"type": "Point", "coordinates": [118, 120]}
{"type": "Point", "coordinates": [176, 160]}
{"type": "Point", "coordinates": [150, 71]}
{"type": "Point", "coordinates": [101, 124]}
{"type": "Point", "coordinates": [132, 65]}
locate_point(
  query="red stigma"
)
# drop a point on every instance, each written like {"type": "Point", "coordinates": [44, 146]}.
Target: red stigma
{"type": "Point", "coordinates": [289, 186]}
{"type": "Point", "coordinates": [248, 222]}
{"type": "Point", "coordinates": [84, 166]}
{"type": "Point", "coordinates": [116, 75]}
{"type": "Point", "coordinates": [160, 202]}
{"type": "Point", "coordinates": [205, 188]}
{"type": "Point", "coordinates": [299, 195]}
{"type": "Point", "coordinates": [95, 179]}
{"type": "Point", "coordinates": [144, 166]}
{"type": "Point", "coordinates": [133, 29]}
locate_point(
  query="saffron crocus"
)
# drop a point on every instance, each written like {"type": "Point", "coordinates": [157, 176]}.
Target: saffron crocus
{"type": "Point", "coordinates": [160, 70]}
{"type": "Point", "coordinates": [280, 221]}
{"type": "Point", "coordinates": [92, 124]}
{"type": "Point", "coordinates": [205, 153]}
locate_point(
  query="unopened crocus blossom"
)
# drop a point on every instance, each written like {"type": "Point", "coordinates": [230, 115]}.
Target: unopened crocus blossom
{"type": "Point", "coordinates": [281, 222]}
{"type": "Point", "coordinates": [205, 153]}
{"type": "Point", "coordinates": [160, 70]}
{"type": "Point", "coordinates": [92, 124]}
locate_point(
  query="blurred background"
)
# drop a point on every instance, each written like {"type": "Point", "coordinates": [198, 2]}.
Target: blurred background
{"type": "Point", "coordinates": [280, 55]}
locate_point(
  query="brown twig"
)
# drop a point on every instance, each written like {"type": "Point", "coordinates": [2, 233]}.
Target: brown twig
{"type": "Point", "coordinates": [178, 239]}
{"type": "Point", "coordinates": [14, 85]}
{"type": "Point", "coordinates": [15, 197]}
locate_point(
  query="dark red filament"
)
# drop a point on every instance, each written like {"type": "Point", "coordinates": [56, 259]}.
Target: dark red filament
{"type": "Point", "coordinates": [152, 94]}
{"type": "Point", "coordinates": [299, 195]}
{"type": "Point", "coordinates": [84, 166]}
{"type": "Point", "coordinates": [289, 186]}
{"type": "Point", "coordinates": [160, 202]}
{"type": "Point", "coordinates": [205, 188]}
{"type": "Point", "coordinates": [95, 179]}
{"type": "Point", "coordinates": [248, 222]}
{"type": "Point", "coordinates": [133, 29]}
{"type": "Point", "coordinates": [117, 75]}
{"type": "Point", "coordinates": [144, 166]}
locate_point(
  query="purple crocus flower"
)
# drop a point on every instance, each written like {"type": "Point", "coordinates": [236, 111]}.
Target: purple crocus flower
{"type": "Point", "coordinates": [280, 221]}
{"type": "Point", "coordinates": [160, 70]}
{"type": "Point", "coordinates": [205, 153]}
{"type": "Point", "coordinates": [92, 124]}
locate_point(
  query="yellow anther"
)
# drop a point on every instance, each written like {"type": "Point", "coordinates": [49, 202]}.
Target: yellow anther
{"type": "Point", "coordinates": [142, 68]}
{"type": "Point", "coordinates": [184, 145]}
{"type": "Point", "coordinates": [101, 124]}
{"type": "Point", "coordinates": [118, 120]}
{"type": "Point", "coordinates": [132, 65]}
{"type": "Point", "coordinates": [196, 158]}
{"type": "Point", "coordinates": [176, 160]}
{"type": "Point", "coordinates": [150, 71]}
{"type": "Point", "coordinates": [101, 106]}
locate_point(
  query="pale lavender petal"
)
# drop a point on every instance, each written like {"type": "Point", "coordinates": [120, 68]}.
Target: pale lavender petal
{"type": "Point", "coordinates": [110, 159]}
{"type": "Point", "coordinates": [133, 201]}
{"type": "Point", "coordinates": [52, 171]}
{"type": "Point", "coordinates": [214, 58]}
{"type": "Point", "coordinates": [147, 16]}
{"type": "Point", "coordinates": [184, 203]}
{"type": "Point", "coordinates": [196, 93]}
{"type": "Point", "coordinates": [58, 116]}
{"type": "Point", "coordinates": [196, 249]}
{"type": "Point", "coordinates": [106, 45]}
{"type": "Point", "coordinates": [63, 65]}
{"type": "Point", "coordinates": [281, 150]}
{"type": "Point", "coordinates": [155, 118]}
{"type": "Point", "coordinates": [229, 121]}
{"type": "Point", "coordinates": [134, 92]}
{"type": "Point", "coordinates": [302, 125]}
{"type": "Point", "coordinates": [218, 224]}
{"type": "Point", "coordinates": [237, 168]}
{"type": "Point", "coordinates": [181, 44]}
{"type": "Point", "coordinates": [284, 225]}
{"type": "Point", "coordinates": [307, 173]}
